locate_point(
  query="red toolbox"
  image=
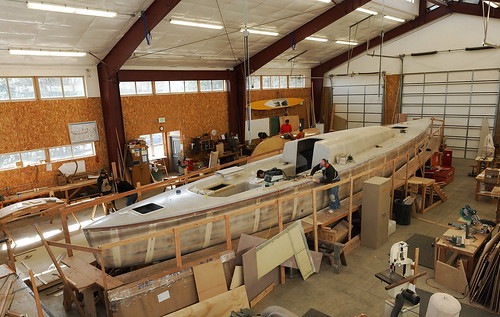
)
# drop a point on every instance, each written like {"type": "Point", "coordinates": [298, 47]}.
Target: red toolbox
{"type": "Point", "coordinates": [446, 160]}
{"type": "Point", "coordinates": [446, 174]}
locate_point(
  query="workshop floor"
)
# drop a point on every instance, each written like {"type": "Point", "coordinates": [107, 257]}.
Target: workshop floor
{"type": "Point", "coordinates": [352, 292]}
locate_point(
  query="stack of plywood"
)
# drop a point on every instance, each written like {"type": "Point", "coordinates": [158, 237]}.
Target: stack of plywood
{"type": "Point", "coordinates": [485, 283]}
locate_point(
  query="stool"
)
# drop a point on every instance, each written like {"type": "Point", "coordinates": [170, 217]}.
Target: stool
{"type": "Point", "coordinates": [473, 171]}
{"type": "Point", "coordinates": [443, 305]}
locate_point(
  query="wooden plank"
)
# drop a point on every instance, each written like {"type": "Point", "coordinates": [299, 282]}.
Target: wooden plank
{"type": "Point", "coordinates": [5, 292]}
{"type": "Point", "coordinates": [210, 279]}
{"type": "Point", "coordinates": [35, 293]}
{"type": "Point", "coordinates": [261, 296]}
{"type": "Point", "coordinates": [217, 306]}
{"type": "Point", "coordinates": [82, 267]}
{"type": "Point", "coordinates": [237, 279]}
{"type": "Point", "coordinates": [452, 277]}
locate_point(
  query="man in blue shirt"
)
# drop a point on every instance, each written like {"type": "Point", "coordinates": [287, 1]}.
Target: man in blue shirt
{"type": "Point", "coordinates": [330, 175]}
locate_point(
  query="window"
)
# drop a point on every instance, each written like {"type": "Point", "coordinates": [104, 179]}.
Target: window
{"type": "Point", "coordinates": [68, 152]}
{"type": "Point", "coordinates": [297, 82]}
{"type": "Point", "coordinates": [50, 87]}
{"type": "Point", "coordinates": [156, 147]}
{"type": "Point", "coordinates": [61, 87]}
{"type": "Point", "coordinates": [191, 85]}
{"type": "Point", "coordinates": [144, 87]}
{"type": "Point", "coordinates": [211, 85]}
{"type": "Point", "coordinates": [274, 82]}
{"type": "Point", "coordinates": [128, 88]}
{"type": "Point", "coordinates": [21, 88]}
{"type": "Point", "coordinates": [73, 87]}
{"type": "Point", "coordinates": [8, 161]}
{"type": "Point", "coordinates": [177, 86]}
{"type": "Point", "coordinates": [4, 90]}
{"type": "Point", "coordinates": [33, 157]}
{"type": "Point", "coordinates": [254, 82]}
{"type": "Point", "coordinates": [162, 87]}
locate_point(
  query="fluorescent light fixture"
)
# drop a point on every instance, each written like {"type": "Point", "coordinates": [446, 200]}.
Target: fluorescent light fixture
{"type": "Point", "coordinates": [491, 4]}
{"type": "Point", "coordinates": [46, 53]}
{"type": "Point", "coordinates": [346, 43]}
{"type": "Point", "coordinates": [260, 32]}
{"type": "Point", "coordinates": [67, 9]}
{"type": "Point", "coordinates": [393, 18]}
{"type": "Point", "coordinates": [325, 1]}
{"type": "Point", "coordinates": [317, 39]}
{"type": "Point", "coordinates": [197, 24]}
{"type": "Point", "coordinates": [367, 11]}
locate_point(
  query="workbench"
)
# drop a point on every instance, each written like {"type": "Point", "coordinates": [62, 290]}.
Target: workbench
{"type": "Point", "coordinates": [67, 191]}
{"type": "Point", "coordinates": [495, 193]}
{"type": "Point", "coordinates": [470, 250]}
{"type": "Point", "coordinates": [425, 187]}
{"type": "Point", "coordinates": [487, 161]}
{"type": "Point", "coordinates": [480, 178]}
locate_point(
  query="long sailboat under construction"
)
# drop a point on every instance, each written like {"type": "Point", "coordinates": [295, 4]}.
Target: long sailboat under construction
{"type": "Point", "coordinates": [237, 187]}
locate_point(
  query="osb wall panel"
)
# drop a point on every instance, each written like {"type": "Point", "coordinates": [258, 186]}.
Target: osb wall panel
{"type": "Point", "coordinates": [41, 124]}
{"type": "Point", "coordinates": [192, 114]}
{"type": "Point", "coordinates": [301, 111]}
{"type": "Point", "coordinates": [391, 97]}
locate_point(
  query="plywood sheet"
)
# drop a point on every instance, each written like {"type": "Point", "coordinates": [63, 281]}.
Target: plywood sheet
{"type": "Point", "coordinates": [281, 247]}
{"type": "Point", "coordinates": [253, 284]}
{"type": "Point", "coordinates": [452, 277]}
{"type": "Point", "coordinates": [237, 277]}
{"type": "Point", "coordinates": [218, 306]}
{"type": "Point", "coordinates": [210, 279]}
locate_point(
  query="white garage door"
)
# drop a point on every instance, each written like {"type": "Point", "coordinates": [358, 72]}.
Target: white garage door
{"type": "Point", "coordinates": [461, 98]}
{"type": "Point", "coordinates": [358, 99]}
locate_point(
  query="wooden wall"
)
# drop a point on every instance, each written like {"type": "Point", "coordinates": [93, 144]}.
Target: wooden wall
{"type": "Point", "coordinates": [192, 114]}
{"type": "Point", "coordinates": [31, 125]}
{"type": "Point", "coordinates": [301, 111]}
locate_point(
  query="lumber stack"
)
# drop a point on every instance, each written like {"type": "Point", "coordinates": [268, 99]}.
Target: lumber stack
{"type": "Point", "coordinates": [485, 282]}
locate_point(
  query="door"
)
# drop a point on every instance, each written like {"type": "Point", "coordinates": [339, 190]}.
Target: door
{"type": "Point", "coordinates": [175, 146]}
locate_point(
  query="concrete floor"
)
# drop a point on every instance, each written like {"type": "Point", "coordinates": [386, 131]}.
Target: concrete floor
{"type": "Point", "coordinates": [356, 290]}
{"type": "Point", "coordinates": [352, 292]}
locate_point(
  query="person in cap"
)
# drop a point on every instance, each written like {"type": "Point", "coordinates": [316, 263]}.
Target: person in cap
{"type": "Point", "coordinates": [330, 175]}
{"type": "Point", "coordinates": [104, 186]}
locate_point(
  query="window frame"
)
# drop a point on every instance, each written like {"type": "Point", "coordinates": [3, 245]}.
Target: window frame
{"type": "Point", "coordinates": [151, 145]}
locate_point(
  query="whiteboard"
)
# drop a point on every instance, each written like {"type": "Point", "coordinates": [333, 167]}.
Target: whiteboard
{"type": "Point", "coordinates": [257, 125]}
{"type": "Point", "coordinates": [83, 132]}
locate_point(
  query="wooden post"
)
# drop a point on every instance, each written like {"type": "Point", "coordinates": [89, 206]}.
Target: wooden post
{"type": "Point", "coordinates": [67, 237]}
{"type": "Point", "coordinates": [227, 224]}
{"type": "Point", "coordinates": [415, 265]}
{"type": "Point", "coordinates": [280, 215]}
{"type": "Point", "coordinates": [139, 193]}
{"type": "Point", "coordinates": [315, 221]}
{"type": "Point", "coordinates": [11, 261]}
{"type": "Point", "coordinates": [35, 293]}
{"type": "Point", "coordinates": [177, 242]}
{"type": "Point", "coordinates": [103, 271]}
{"type": "Point", "coordinates": [349, 216]}
{"type": "Point", "coordinates": [392, 188]}
{"type": "Point", "coordinates": [65, 281]}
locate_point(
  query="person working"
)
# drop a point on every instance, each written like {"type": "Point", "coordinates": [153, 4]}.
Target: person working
{"type": "Point", "coordinates": [330, 175]}
{"type": "Point", "coordinates": [124, 186]}
{"type": "Point", "coordinates": [286, 127]}
{"type": "Point", "coordinates": [104, 183]}
{"type": "Point", "coordinates": [301, 134]}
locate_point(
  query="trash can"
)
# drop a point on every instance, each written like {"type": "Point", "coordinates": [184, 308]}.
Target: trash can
{"type": "Point", "coordinates": [402, 212]}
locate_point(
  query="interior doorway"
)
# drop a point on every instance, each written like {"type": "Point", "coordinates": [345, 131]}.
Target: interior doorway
{"type": "Point", "coordinates": [174, 141]}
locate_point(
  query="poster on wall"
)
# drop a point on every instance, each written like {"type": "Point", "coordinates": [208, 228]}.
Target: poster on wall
{"type": "Point", "coordinates": [83, 132]}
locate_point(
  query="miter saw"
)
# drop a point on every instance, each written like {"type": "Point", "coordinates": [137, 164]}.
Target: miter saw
{"type": "Point", "coordinates": [470, 215]}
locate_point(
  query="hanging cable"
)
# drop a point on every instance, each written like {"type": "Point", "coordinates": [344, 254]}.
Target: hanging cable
{"type": "Point", "coordinates": [225, 30]}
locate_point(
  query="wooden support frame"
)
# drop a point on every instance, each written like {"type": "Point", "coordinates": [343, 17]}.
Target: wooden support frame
{"type": "Point", "coordinates": [351, 243]}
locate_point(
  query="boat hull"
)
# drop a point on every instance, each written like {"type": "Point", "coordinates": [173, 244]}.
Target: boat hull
{"type": "Point", "coordinates": [206, 235]}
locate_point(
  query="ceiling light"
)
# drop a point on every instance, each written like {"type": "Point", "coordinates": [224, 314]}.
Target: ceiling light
{"type": "Point", "coordinates": [393, 18]}
{"type": "Point", "coordinates": [367, 11]}
{"type": "Point", "coordinates": [491, 4]}
{"type": "Point", "coordinates": [346, 43]}
{"type": "Point", "coordinates": [325, 1]}
{"type": "Point", "coordinates": [317, 39]}
{"type": "Point", "coordinates": [67, 9]}
{"type": "Point", "coordinates": [261, 32]}
{"type": "Point", "coordinates": [197, 24]}
{"type": "Point", "coordinates": [46, 53]}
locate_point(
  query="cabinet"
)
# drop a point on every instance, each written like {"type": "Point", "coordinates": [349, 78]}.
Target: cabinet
{"type": "Point", "coordinates": [375, 211]}
{"type": "Point", "coordinates": [140, 163]}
